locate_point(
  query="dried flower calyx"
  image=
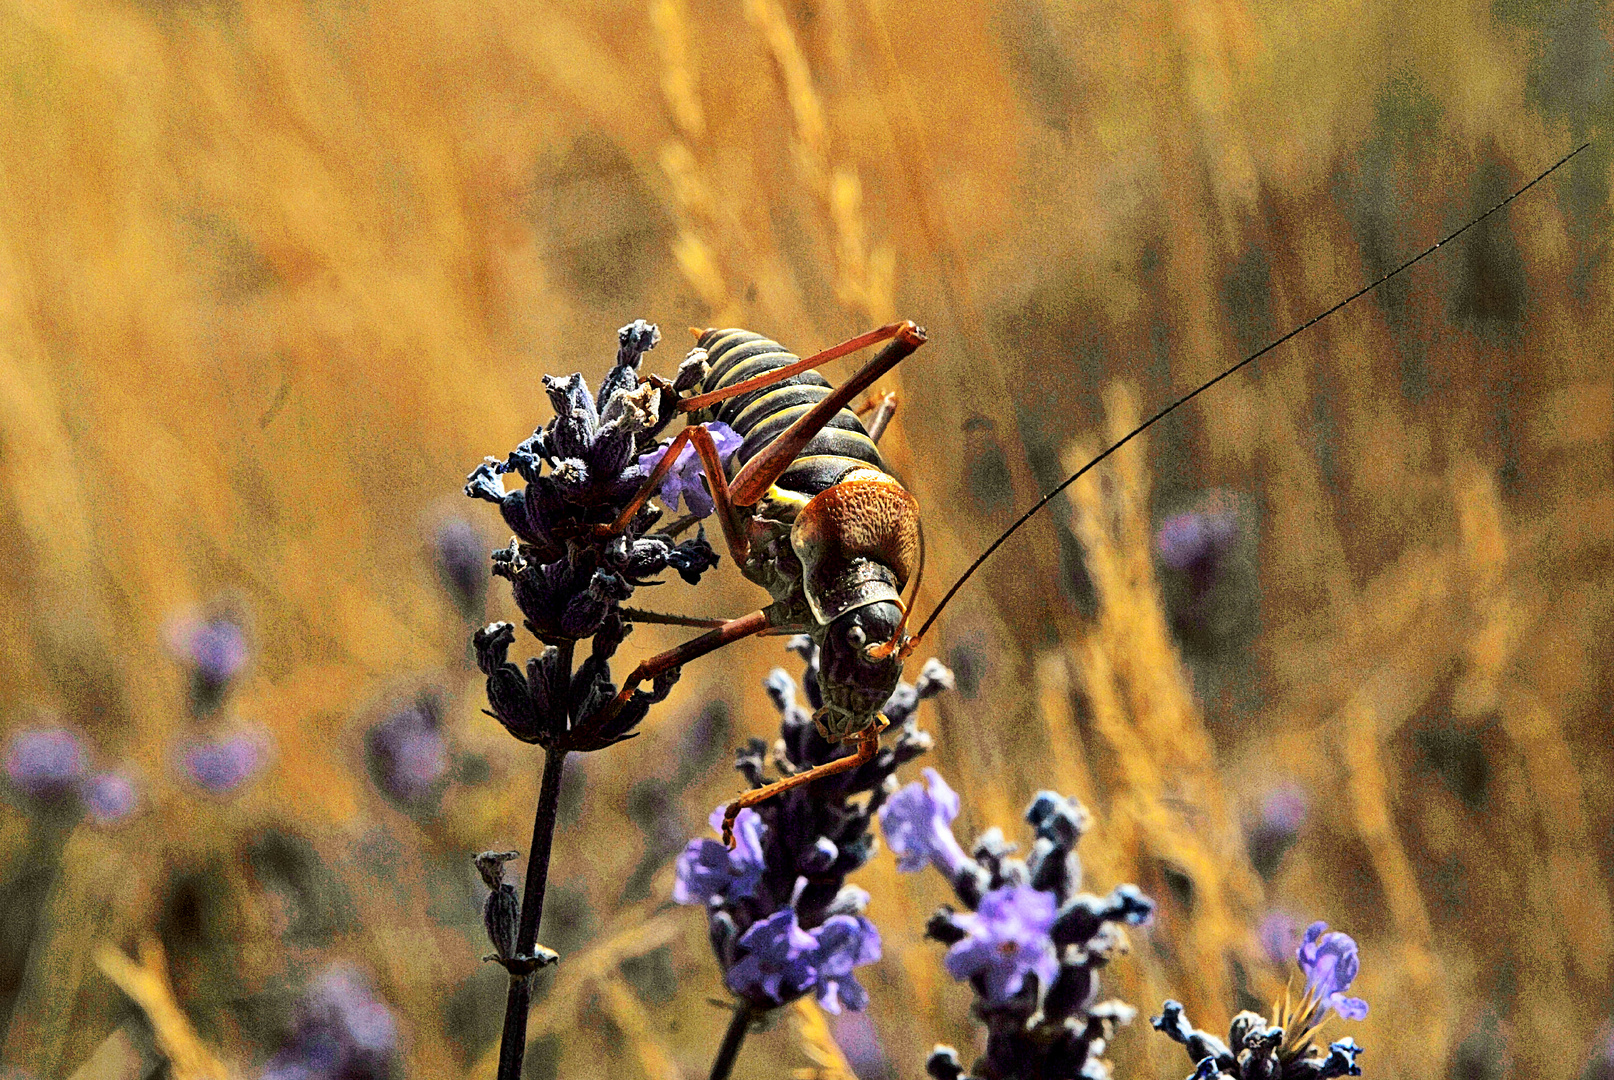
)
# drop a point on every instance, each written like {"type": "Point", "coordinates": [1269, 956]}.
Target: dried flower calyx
{"type": "Point", "coordinates": [557, 708]}
{"type": "Point", "coordinates": [501, 912]}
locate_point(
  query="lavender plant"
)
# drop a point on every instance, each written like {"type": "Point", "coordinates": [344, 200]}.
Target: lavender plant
{"type": "Point", "coordinates": [783, 921]}
{"type": "Point", "coordinates": [342, 1031]}
{"type": "Point", "coordinates": [1257, 1049]}
{"type": "Point", "coordinates": [1030, 944]}
{"type": "Point", "coordinates": [580, 471]}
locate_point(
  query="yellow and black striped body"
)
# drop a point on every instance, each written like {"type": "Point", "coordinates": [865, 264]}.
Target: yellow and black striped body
{"type": "Point", "coordinates": [760, 416]}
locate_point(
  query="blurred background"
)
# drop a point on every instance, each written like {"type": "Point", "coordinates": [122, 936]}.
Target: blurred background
{"type": "Point", "coordinates": [1331, 642]}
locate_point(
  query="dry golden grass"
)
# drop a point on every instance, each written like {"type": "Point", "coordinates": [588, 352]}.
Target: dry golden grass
{"type": "Point", "coordinates": [273, 277]}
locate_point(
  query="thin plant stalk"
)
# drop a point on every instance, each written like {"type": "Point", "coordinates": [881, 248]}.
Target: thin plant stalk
{"type": "Point", "coordinates": [744, 1014]}
{"type": "Point", "coordinates": [517, 1003]}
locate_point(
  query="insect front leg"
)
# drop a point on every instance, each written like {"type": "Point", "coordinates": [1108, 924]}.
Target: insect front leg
{"type": "Point", "coordinates": [868, 744]}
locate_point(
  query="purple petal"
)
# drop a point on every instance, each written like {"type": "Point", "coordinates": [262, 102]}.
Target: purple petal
{"type": "Point", "coordinates": [703, 873]}
{"type": "Point", "coordinates": [109, 798]}
{"type": "Point", "coordinates": [917, 823]}
{"type": "Point", "coordinates": [1349, 1008]}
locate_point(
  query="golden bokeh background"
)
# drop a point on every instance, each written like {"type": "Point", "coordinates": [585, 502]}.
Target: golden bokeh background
{"type": "Point", "coordinates": [274, 276]}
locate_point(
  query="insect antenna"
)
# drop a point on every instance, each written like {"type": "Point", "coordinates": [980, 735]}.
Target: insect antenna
{"type": "Point", "coordinates": [1173, 406]}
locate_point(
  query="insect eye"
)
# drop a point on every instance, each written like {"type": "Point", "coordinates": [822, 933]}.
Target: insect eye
{"type": "Point", "coordinates": [855, 636]}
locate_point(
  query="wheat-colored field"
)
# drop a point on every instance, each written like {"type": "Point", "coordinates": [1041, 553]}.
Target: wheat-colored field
{"type": "Point", "coordinates": [274, 276]}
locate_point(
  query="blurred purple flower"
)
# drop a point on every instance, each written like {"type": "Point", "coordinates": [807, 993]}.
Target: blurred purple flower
{"type": "Point", "coordinates": [220, 766]}
{"type": "Point", "coordinates": [1279, 934]}
{"type": "Point", "coordinates": [342, 1032]}
{"type": "Point", "coordinates": [859, 1041]}
{"type": "Point", "coordinates": [215, 651]}
{"type": "Point", "coordinates": [109, 797]}
{"type": "Point", "coordinates": [1329, 962]}
{"type": "Point", "coordinates": [917, 822]}
{"type": "Point", "coordinates": [780, 962]}
{"type": "Point", "coordinates": [708, 871]}
{"type": "Point", "coordinates": [408, 757]}
{"type": "Point", "coordinates": [1005, 940]}
{"type": "Point", "coordinates": [1282, 814]}
{"type": "Point", "coordinates": [45, 764]}
{"type": "Point", "coordinates": [462, 564]}
{"type": "Point", "coordinates": [1192, 540]}
{"type": "Point", "coordinates": [685, 478]}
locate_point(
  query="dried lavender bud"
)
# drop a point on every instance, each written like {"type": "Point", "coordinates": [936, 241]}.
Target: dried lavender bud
{"type": "Point", "coordinates": [501, 911]}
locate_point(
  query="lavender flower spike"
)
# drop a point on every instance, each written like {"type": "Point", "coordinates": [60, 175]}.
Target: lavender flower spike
{"type": "Point", "coordinates": [918, 825]}
{"type": "Point", "coordinates": [685, 478]}
{"type": "Point", "coordinates": [1329, 962]}
{"type": "Point", "coordinates": [781, 961]}
{"type": "Point", "coordinates": [44, 764]}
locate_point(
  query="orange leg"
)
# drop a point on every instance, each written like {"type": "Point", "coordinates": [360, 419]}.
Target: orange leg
{"type": "Point", "coordinates": [868, 744]}
{"type": "Point", "coordinates": [753, 481]}
{"type": "Point", "coordinates": [716, 480]}
{"type": "Point", "coordinates": [768, 378]}
{"type": "Point", "coordinates": [884, 409]}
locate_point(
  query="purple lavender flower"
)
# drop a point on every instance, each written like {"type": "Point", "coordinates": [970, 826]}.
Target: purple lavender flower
{"type": "Point", "coordinates": [780, 961]}
{"type": "Point", "coordinates": [407, 755]}
{"type": "Point", "coordinates": [45, 764]}
{"type": "Point", "coordinates": [221, 766]}
{"type": "Point", "coordinates": [109, 798]}
{"type": "Point", "coordinates": [685, 479]}
{"type": "Point", "coordinates": [342, 1032]}
{"type": "Point", "coordinates": [1194, 539]}
{"type": "Point", "coordinates": [1329, 961]}
{"type": "Point", "coordinates": [1006, 940]}
{"type": "Point", "coordinates": [214, 650]}
{"type": "Point", "coordinates": [918, 825]}
{"type": "Point", "coordinates": [844, 942]}
{"type": "Point", "coordinates": [1025, 918]}
{"type": "Point", "coordinates": [709, 873]}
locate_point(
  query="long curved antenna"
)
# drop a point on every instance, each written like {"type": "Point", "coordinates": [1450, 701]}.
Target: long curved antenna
{"type": "Point", "coordinates": [1141, 428]}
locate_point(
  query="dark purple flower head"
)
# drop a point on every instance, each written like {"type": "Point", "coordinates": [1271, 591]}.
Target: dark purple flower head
{"type": "Point", "coordinates": [407, 754]}
{"type": "Point", "coordinates": [221, 766]}
{"type": "Point", "coordinates": [342, 1032]}
{"type": "Point", "coordinates": [109, 798]}
{"type": "Point", "coordinates": [1196, 538]}
{"type": "Point", "coordinates": [710, 873]}
{"type": "Point", "coordinates": [918, 826]}
{"type": "Point", "coordinates": [685, 479]}
{"type": "Point", "coordinates": [462, 564]}
{"type": "Point", "coordinates": [1328, 960]}
{"type": "Point", "coordinates": [1006, 940]}
{"type": "Point", "coordinates": [45, 764]}
{"type": "Point", "coordinates": [1256, 1050]}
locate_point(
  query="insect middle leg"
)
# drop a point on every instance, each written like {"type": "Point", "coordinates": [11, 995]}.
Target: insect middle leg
{"type": "Point", "coordinates": [868, 744]}
{"type": "Point", "coordinates": [728, 514]}
{"type": "Point", "coordinates": [725, 633]}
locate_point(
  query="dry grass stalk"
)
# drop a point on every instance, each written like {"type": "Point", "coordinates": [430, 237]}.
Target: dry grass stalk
{"type": "Point", "coordinates": [818, 1043]}
{"type": "Point", "coordinates": [145, 980]}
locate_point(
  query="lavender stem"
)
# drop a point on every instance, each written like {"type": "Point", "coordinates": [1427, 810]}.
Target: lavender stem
{"type": "Point", "coordinates": [513, 1041]}
{"type": "Point", "coordinates": [744, 1014]}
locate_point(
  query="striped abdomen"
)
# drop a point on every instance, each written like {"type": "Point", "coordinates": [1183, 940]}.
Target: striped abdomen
{"type": "Point", "coordinates": [762, 415]}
